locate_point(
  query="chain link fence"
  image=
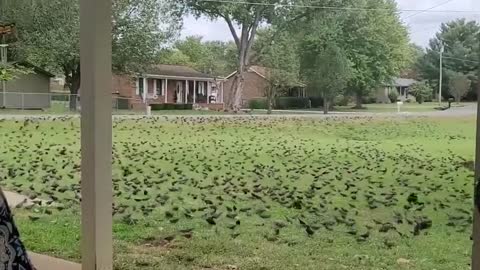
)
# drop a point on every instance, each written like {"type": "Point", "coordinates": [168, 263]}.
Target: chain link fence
{"type": "Point", "coordinates": [53, 103]}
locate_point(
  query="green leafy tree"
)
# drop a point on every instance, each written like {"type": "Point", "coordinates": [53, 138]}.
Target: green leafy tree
{"type": "Point", "coordinates": [377, 44]}
{"type": "Point", "coordinates": [324, 64]}
{"type": "Point", "coordinates": [52, 42]}
{"type": "Point", "coordinates": [460, 39]}
{"type": "Point", "coordinates": [327, 71]}
{"type": "Point", "coordinates": [282, 60]}
{"type": "Point", "coordinates": [246, 18]}
{"type": "Point", "coordinates": [10, 71]}
{"type": "Point", "coordinates": [422, 91]}
{"type": "Point", "coordinates": [212, 57]}
{"type": "Point", "coordinates": [459, 85]}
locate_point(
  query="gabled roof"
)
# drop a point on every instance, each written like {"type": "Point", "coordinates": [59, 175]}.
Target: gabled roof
{"type": "Point", "coordinates": [177, 71]}
{"type": "Point", "coordinates": [36, 69]}
{"type": "Point", "coordinates": [402, 82]}
{"type": "Point", "coordinates": [263, 72]}
{"type": "Point", "coordinates": [260, 71]}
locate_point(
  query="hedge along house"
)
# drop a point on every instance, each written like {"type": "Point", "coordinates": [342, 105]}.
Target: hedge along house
{"type": "Point", "coordinates": [256, 81]}
{"type": "Point", "coordinates": [168, 84]}
{"type": "Point", "coordinates": [27, 91]}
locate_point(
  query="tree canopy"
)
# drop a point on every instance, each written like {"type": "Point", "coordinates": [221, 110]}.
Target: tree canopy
{"type": "Point", "coordinates": [212, 57]}
{"type": "Point", "coordinates": [52, 42]}
{"type": "Point", "coordinates": [460, 41]}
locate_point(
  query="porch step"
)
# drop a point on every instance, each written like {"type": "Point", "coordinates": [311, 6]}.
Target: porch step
{"type": "Point", "coordinates": [42, 262]}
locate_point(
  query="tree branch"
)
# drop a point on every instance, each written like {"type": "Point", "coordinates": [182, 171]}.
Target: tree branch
{"type": "Point", "coordinates": [277, 32]}
{"type": "Point", "coordinates": [253, 32]}
{"type": "Point", "coordinates": [233, 31]}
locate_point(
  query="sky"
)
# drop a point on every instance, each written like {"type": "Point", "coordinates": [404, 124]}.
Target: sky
{"type": "Point", "coordinates": [422, 26]}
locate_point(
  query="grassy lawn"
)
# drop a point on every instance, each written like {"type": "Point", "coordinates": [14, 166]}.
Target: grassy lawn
{"type": "Point", "coordinates": [215, 193]}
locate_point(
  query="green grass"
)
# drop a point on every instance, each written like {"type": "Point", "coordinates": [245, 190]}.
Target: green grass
{"type": "Point", "coordinates": [292, 169]}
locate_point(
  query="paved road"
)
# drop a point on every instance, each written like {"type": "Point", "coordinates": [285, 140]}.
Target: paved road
{"type": "Point", "coordinates": [469, 110]}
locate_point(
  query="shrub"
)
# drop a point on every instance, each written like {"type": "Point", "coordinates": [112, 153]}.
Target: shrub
{"type": "Point", "coordinates": [171, 106]}
{"type": "Point", "coordinates": [393, 96]}
{"type": "Point", "coordinates": [283, 103]}
{"type": "Point", "coordinates": [341, 100]}
{"type": "Point", "coordinates": [421, 91]}
{"type": "Point", "coordinates": [316, 102]}
{"type": "Point", "coordinates": [260, 103]}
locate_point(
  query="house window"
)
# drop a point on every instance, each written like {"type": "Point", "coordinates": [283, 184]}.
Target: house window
{"type": "Point", "coordinates": [139, 87]}
{"type": "Point", "coordinates": [159, 87]}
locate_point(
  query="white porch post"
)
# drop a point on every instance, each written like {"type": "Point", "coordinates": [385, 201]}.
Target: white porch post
{"type": "Point", "coordinates": [154, 87]}
{"type": "Point", "coordinates": [194, 92]}
{"type": "Point", "coordinates": [145, 89]}
{"type": "Point", "coordinates": [185, 101]}
{"type": "Point", "coordinates": [166, 91]}
{"type": "Point", "coordinates": [223, 101]}
{"type": "Point", "coordinates": [96, 134]}
{"type": "Point", "coordinates": [208, 92]}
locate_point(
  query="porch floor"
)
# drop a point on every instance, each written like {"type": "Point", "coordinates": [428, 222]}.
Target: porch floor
{"type": "Point", "coordinates": [42, 262]}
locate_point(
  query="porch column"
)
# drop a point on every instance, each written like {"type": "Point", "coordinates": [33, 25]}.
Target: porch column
{"type": "Point", "coordinates": [96, 134]}
{"type": "Point", "coordinates": [185, 101]}
{"type": "Point", "coordinates": [194, 92]}
{"type": "Point", "coordinates": [145, 89]}
{"type": "Point", "coordinates": [223, 101]}
{"type": "Point", "coordinates": [208, 92]}
{"type": "Point", "coordinates": [154, 87]}
{"type": "Point", "coordinates": [166, 90]}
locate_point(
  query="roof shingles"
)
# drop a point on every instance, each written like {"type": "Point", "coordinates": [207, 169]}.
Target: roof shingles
{"type": "Point", "coordinates": [177, 71]}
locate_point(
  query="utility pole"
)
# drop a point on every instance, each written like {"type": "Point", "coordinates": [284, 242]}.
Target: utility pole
{"type": "Point", "coordinates": [3, 56]}
{"type": "Point", "coordinates": [442, 49]}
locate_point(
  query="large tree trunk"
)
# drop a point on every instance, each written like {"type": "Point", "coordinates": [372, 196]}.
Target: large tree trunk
{"type": "Point", "coordinates": [244, 44]}
{"type": "Point", "coordinates": [234, 100]}
{"type": "Point", "coordinates": [326, 105]}
{"type": "Point", "coordinates": [72, 80]}
{"type": "Point", "coordinates": [358, 100]}
{"type": "Point", "coordinates": [270, 97]}
{"type": "Point", "coordinates": [74, 87]}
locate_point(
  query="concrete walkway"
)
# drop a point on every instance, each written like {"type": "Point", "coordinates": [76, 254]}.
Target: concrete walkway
{"type": "Point", "coordinates": [42, 262]}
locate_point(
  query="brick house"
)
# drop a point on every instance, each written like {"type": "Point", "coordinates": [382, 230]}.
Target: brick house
{"type": "Point", "coordinates": [168, 84]}
{"type": "Point", "coordinates": [256, 81]}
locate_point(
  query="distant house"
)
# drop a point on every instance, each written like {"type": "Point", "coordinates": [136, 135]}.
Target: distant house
{"type": "Point", "coordinates": [400, 85]}
{"type": "Point", "coordinates": [28, 91]}
{"type": "Point", "coordinates": [256, 81]}
{"type": "Point", "coordinates": [162, 84]}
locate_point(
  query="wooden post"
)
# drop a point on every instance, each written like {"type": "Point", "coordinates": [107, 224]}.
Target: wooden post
{"type": "Point", "coordinates": [96, 134]}
{"type": "Point", "coordinates": [194, 92]}
{"type": "Point", "coordinates": [166, 90]}
{"type": "Point", "coordinates": [476, 196]}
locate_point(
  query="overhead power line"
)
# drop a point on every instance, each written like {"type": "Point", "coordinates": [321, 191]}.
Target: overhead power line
{"type": "Point", "coordinates": [428, 9]}
{"type": "Point", "coordinates": [338, 8]}
{"type": "Point", "coordinates": [460, 59]}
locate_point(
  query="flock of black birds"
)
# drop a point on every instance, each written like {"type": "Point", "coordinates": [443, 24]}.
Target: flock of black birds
{"type": "Point", "coordinates": [312, 176]}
